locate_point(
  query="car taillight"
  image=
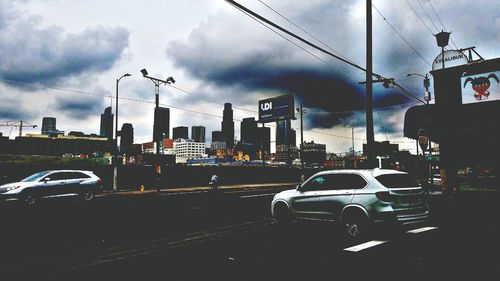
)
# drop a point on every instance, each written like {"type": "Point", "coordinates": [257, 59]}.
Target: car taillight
{"type": "Point", "coordinates": [99, 181]}
{"type": "Point", "coordinates": [383, 196]}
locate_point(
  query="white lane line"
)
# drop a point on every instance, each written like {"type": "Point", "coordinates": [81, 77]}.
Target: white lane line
{"type": "Point", "coordinates": [257, 195]}
{"type": "Point", "coordinates": [364, 246]}
{"type": "Point", "coordinates": [422, 229]}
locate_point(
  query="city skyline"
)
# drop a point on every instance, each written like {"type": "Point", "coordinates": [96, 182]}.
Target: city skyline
{"type": "Point", "coordinates": [198, 51]}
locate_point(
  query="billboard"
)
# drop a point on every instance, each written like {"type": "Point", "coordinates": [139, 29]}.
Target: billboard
{"type": "Point", "coordinates": [277, 108]}
{"type": "Point", "coordinates": [481, 87]}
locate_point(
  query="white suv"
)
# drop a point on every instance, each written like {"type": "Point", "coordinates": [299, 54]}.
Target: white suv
{"type": "Point", "coordinates": [354, 197]}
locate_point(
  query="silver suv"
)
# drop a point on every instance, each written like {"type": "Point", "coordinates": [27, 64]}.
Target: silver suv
{"type": "Point", "coordinates": [84, 184]}
{"type": "Point", "coordinates": [356, 198]}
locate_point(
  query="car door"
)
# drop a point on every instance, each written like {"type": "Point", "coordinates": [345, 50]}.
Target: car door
{"type": "Point", "coordinates": [306, 200]}
{"type": "Point", "coordinates": [50, 185]}
{"type": "Point", "coordinates": [70, 183]}
{"type": "Point", "coordinates": [339, 192]}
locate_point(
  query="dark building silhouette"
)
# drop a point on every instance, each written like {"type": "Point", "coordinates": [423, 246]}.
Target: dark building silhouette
{"type": "Point", "coordinates": [249, 131]}
{"type": "Point", "coordinates": [49, 126]}
{"type": "Point", "coordinates": [107, 124]}
{"type": "Point", "coordinates": [282, 127]}
{"type": "Point", "coordinates": [161, 127]}
{"type": "Point", "coordinates": [217, 136]}
{"type": "Point", "coordinates": [314, 154]}
{"type": "Point", "coordinates": [228, 125]}
{"type": "Point", "coordinates": [384, 148]}
{"type": "Point", "coordinates": [126, 137]}
{"type": "Point", "coordinates": [198, 133]}
{"type": "Point", "coordinates": [180, 132]}
{"type": "Point", "coordinates": [76, 134]}
{"type": "Point", "coordinates": [264, 138]}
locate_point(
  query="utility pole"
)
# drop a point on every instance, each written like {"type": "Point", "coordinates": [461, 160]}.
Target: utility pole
{"type": "Point", "coordinates": [370, 136]}
{"type": "Point", "coordinates": [352, 136]}
{"type": "Point", "coordinates": [115, 158]}
{"type": "Point", "coordinates": [301, 111]}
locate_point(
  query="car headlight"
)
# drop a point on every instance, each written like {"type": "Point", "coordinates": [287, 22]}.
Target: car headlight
{"type": "Point", "coordinates": [12, 187]}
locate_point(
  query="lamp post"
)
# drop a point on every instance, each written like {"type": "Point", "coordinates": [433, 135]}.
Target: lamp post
{"type": "Point", "coordinates": [427, 95]}
{"type": "Point", "coordinates": [157, 83]}
{"type": "Point", "coordinates": [442, 39]}
{"type": "Point", "coordinates": [115, 162]}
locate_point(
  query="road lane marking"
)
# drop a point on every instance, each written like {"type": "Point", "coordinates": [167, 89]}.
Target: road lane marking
{"type": "Point", "coordinates": [257, 195]}
{"type": "Point", "coordinates": [422, 229]}
{"type": "Point", "coordinates": [364, 246]}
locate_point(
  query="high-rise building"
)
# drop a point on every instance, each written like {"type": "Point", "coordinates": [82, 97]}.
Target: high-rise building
{"type": "Point", "coordinates": [161, 127]}
{"type": "Point", "coordinates": [107, 124]}
{"type": "Point", "coordinates": [248, 131]}
{"type": "Point", "coordinates": [228, 125]}
{"type": "Point", "coordinates": [217, 136]}
{"type": "Point", "coordinates": [180, 132]}
{"type": "Point", "coordinates": [49, 127]}
{"type": "Point", "coordinates": [198, 133]}
{"type": "Point", "coordinates": [282, 127]}
{"type": "Point", "coordinates": [264, 135]}
{"type": "Point", "coordinates": [127, 137]}
{"type": "Point", "coordinates": [48, 124]}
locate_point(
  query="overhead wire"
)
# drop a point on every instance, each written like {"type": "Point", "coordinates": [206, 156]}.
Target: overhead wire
{"type": "Point", "coordinates": [419, 17]}
{"type": "Point", "coordinates": [428, 16]}
{"type": "Point", "coordinates": [442, 24]}
{"type": "Point", "coordinates": [401, 36]}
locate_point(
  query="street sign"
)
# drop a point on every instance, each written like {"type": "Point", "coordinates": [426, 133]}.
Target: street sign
{"type": "Point", "coordinates": [423, 139]}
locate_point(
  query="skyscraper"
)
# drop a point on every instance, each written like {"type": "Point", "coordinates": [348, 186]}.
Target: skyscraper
{"type": "Point", "coordinates": [198, 133]}
{"type": "Point", "coordinates": [127, 137]}
{"type": "Point", "coordinates": [264, 135]}
{"type": "Point", "coordinates": [217, 136]}
{"type": "Point", "coordinates": [228, 125]}
{"type": "Point", "coordinates": [48, 125]}
{"type": "Point", "coordinates": [107, 124]}
{"type": "Point", "coordinates": [161, 127]}
{"type": "Point", "coordinates": [180, 132]}
{"type": "Point", "coordinates": [249, 131]}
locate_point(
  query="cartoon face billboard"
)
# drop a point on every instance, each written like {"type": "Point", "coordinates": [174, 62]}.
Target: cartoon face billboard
{"type": "Point", "coordinates": [481, 87]}
{"type": "Point", "coordinates": [277, 108]}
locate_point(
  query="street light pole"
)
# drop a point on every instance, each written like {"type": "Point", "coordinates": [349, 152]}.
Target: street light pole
{"type": "Point", "coordinates": [115, 162]}
{"type": "Point", "coordinates": [427, 95]}
{"type": "Point", "coordinates": [157, 83]}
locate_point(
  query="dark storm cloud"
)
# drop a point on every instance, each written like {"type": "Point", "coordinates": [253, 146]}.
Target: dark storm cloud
{"type": "Point", "coordinates": [34, 54]}
{"type": "Point", "coordinates": [78, 107]}
{"type": "Point", "coordinates": [9, 112]}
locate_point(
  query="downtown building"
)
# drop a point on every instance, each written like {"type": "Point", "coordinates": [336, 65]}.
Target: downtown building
{"type": "Point", "coordinates": [106, 129]}
{"type": "Point", "coordinates": [180, 132]}
{"type": "Point", "coordinates": [228, 126]}
{"type": "Point", "coordinates": [49, 127]}
{"type": "Point", "coordinates": [188, 149]}
{"type": "Point", "coordinates": [161, 127]}
{"type": "Point", "coordinates": [313, 154]}
{"type": "Point", "coordinates": [198, 133]}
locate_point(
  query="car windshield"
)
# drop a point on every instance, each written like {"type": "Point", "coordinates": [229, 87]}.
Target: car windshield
{"type": "Point", "coordinates": [397, 181]}
{"type": "Point", "coordinates": [35, 177]}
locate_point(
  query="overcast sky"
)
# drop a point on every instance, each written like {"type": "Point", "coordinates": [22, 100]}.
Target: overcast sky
{"type": "Point", "coordinates": [53, 52]}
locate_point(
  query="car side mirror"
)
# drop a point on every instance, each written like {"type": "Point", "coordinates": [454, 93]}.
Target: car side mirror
{"type": "Point", "coordinates": [298, 187]}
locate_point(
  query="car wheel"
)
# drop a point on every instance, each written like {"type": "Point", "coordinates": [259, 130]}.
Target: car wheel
{"type": "Point", "coordinates": [87, 196]}
{"type": "Point", "coordinates": [355, 224]}
{"type": "Point", "coordinates": [29, 199]}
{"type": "Point", "coordinates": [282, 213]}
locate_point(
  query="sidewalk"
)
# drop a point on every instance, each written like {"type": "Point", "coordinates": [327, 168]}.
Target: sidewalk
{"type": "Point", "coordinates": [130, 192]}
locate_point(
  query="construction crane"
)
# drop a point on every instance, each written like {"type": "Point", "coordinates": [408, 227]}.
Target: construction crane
{"type": "Point", "coordinates": [16, 124]}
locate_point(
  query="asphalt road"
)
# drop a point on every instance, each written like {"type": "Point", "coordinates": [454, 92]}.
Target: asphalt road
{"type": "Point", "coordinates": [231, 237]}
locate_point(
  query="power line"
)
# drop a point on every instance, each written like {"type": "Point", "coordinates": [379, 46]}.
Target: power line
{"type": "Point", "coordinates": [308, 33]}
{"type": "Point", "coordinates": [400, 35]}
{"type": "Point", "coordinates": [420, 18]}
{"type": "Point", "coordinates": [261, 19]}
{"type": "Point", "coordinates": [142, 101]}
{"type": "Point", "coordinates": [382, 124]}
{"type": "Point", "coordinates": [429, 17]}
{"type": "Point", "coordinates": [442, 24]}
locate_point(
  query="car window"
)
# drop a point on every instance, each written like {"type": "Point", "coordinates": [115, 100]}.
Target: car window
{"type": "Point", "coordinates": [344, 181]}
{"type": "Point", "coordinates": [77, 175]}
{"type": "Point", "coordinates": [316, 183]}
{"type": "Point", "coordinates": [55, 176]}
{"type": "Point", "coordinates": [35, 177]}
{"type": "Point", "coordinates": [397, 181]}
